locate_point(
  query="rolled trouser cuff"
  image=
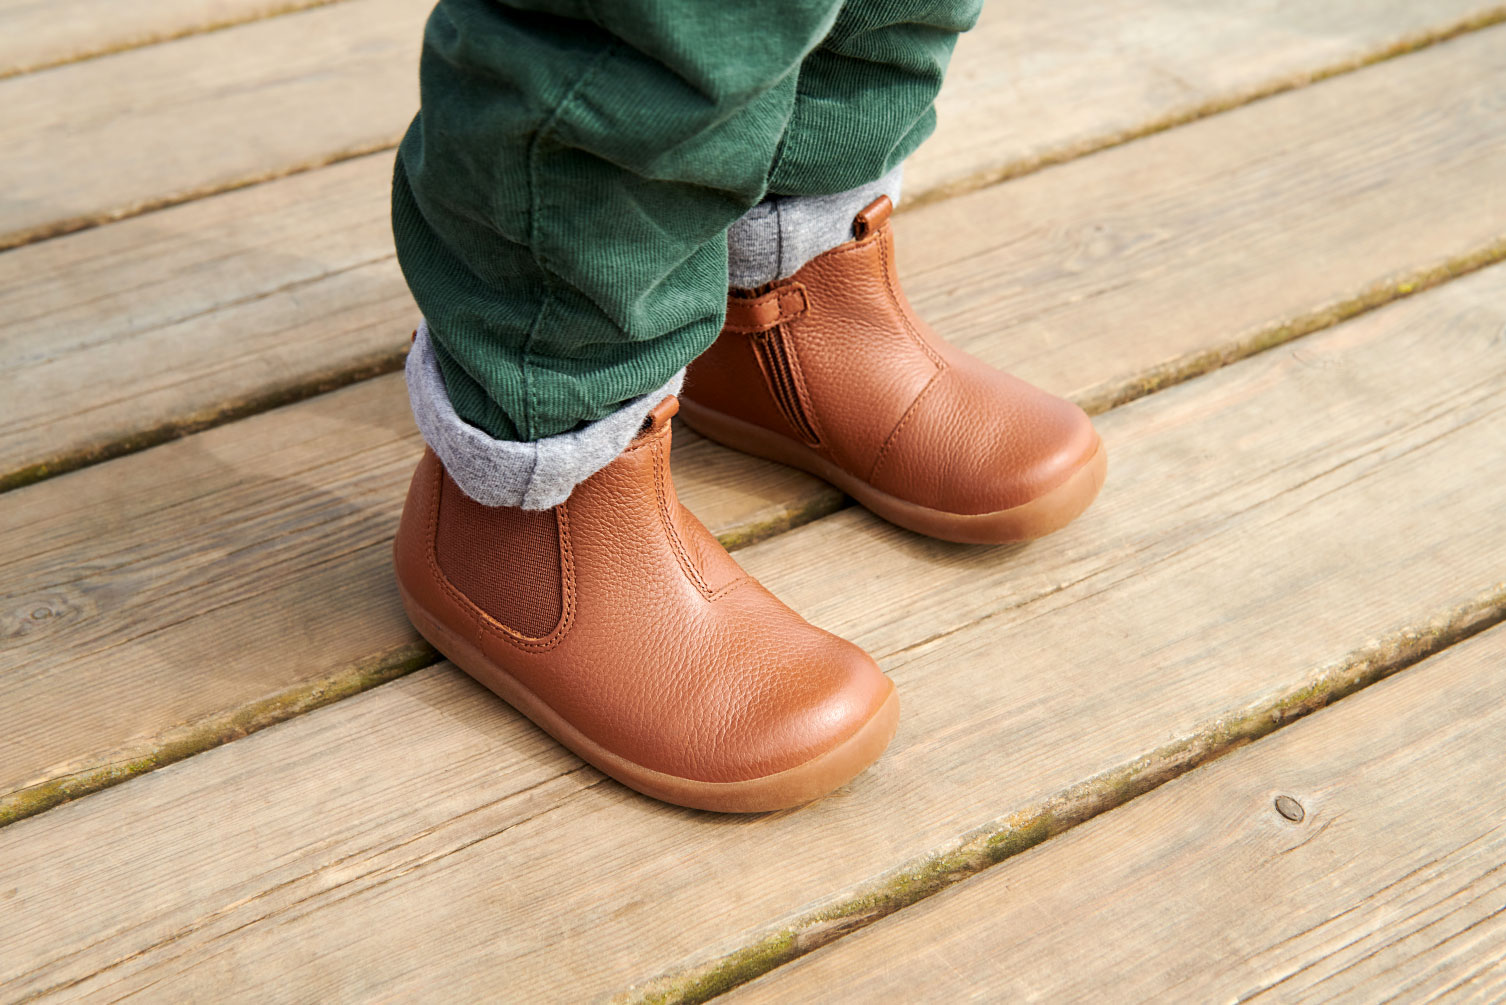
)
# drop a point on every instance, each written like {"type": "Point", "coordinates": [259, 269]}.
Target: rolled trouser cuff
{"type": "Point", "coordinates": [536, 474]}
{"type": "Point", "coordinates": [775, 238]}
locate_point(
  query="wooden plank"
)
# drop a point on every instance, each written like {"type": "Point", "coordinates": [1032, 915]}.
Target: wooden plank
{"type": "Point", "coordinates": [40, 33]}
{"type": "Point", "coordinates": [1331, 180]}
{"type": "Point", "coordinates": [197, 314]}
{"type": "Point", "coordinates": [105, 138]}
{"type": "Point", "coordinates": [261, 549]}
{"type": "Point", "coordinates": [137, 639]}
{"type": "Point", "coordinates": [1273, 535]}
{"type": "Point", "coordinates": [1043, 82]}
{"type": "Point", "coordinates": [1388, 177]}
{"type": "Point", "coordinates": [1392, 883]}
{"type": "Point", "coordinates": [260, 100]}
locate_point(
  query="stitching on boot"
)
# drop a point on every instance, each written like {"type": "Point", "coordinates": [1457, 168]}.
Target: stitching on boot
{"type": "Point", "coordinates": [894, 295]}
{"type": "Point", "coordinates": [691, 572]}
{"type": "Point", "coordinates": [904, 420]}
{"type": "Point", "coordinates": [790, 302]}
{"type": "Point", "coordinates": [492, 626]}
{"type": "Point", "coordinates": [682, 555]}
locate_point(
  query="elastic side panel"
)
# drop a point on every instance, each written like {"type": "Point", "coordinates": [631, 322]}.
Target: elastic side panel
{"type": "Point", "coordinates": [505, 560]}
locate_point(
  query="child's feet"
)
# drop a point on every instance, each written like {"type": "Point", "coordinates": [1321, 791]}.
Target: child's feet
{"type": "Point", "coordinates": [623, 628]}
{"type": "Point", "coordinates": [831, 371]}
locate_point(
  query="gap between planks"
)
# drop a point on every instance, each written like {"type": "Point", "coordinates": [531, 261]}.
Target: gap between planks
{"type": "Point", "coordinates": [1343, 487]}
{"type": "Point", "coordinates": [280, 359]}
{"type": "Point", "coordinates": [75, 30]}
{"type": "Point", "coordinates": [947, 182]}
{"type": "Point", "coordinates": [1410, 43]}
{"type": "Point", "coordinates": [1034, 823]}
{"type": "Point", "coordinates": [1275, 280]}
{"type": "Point", "coordinates": [1031, 825]}
{"type": "Point", "coordinates": [1094, 401]}
{"type": "Point", "coordinates": [1467, 623]}
{"type": "Point", "coordinates": [1205, 891]}
{"type": "Point", "coordinates": [821, 501]}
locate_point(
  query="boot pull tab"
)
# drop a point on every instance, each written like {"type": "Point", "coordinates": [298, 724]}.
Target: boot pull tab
{"type": "Point", "coordinates": [872, 218]}
{"type": "Point", "coordinates": [657, 419]}
{"type": "Point", "coordinates": [781, 305]}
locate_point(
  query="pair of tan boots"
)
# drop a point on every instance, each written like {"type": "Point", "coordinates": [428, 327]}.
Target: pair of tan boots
{"type": "Point", "coordinates": [617, 623]}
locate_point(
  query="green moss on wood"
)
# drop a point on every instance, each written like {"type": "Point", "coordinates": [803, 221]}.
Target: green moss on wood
{"type": "Point", "coordinates": [1037, 823]}
{"type": "Point", "coordinates": [375, 365]}
{"type": "Point", "coordinates": [738, 968]}
{"type": "Point", "coordinates": [822, 501]}
{"type": "Point", "coordinates": [1379, 294]}
{"type": "Point", "coordinates": [213, 731]}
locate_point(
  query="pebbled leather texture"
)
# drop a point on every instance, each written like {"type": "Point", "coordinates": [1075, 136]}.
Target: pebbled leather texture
{"type": "Point", "coordinates": [666, 652]}
{"type": "Point", "coordinates": [888, 400]}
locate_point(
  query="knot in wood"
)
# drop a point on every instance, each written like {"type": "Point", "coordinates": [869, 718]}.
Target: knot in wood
{"type": "Point", "coordinates": [1290, 808]}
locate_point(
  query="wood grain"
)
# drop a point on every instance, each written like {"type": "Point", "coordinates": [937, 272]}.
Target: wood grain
{"type": "Point", "coordinates": [1393, 883]}
{"type": "Point", "coordinates": [1100, 279]}
{"type": "Point", "coordinates": [42, 33]}
{"type": "Point", "coordinates": [105, 138]}
{"type": "Point", "coordinates": [267, 98]}
{"type": "Point", "coordinates": [1159, 240]}
{"type": "Point", "coordinates": [1080, 77]}
{"type": "Point", "coordinates": [120, 655]}
{"type": "Point", "coordinates": [1273, 535]}
{"type": "Point", "coordinates": [173, 599]}
{"type": "Point", "coordinates": [135, 333]}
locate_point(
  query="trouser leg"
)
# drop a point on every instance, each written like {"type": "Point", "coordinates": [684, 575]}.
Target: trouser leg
{"type": "Point", "coordinates": [825, 366]}
{"type": "Point", "coordinates": [864, 101]}
{"type": "Point", "coordinates": [561, 200]}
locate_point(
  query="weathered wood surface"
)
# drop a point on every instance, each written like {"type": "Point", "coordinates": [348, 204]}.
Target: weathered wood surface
{"type": "Point", "coordinates": [198, 312]}
{"type": "Point", "coordinates": [1333, 197]}
{"type": "Point", "coordinates": [1272, 535]}
{"type": "Point", "coordinates": [1392, 883]}
{"type": "Point", "coordinates": [108, 137]}
{"type": "Point", "coordinates": [41, 33]}
{"type": "Point", "coordinates": [273, 96]}
{"type": "Point", "coordinates": [1388, 177]}
{"type": "Point", "coordinates": [1048, 81]}
{"type": "Point", "coordinates": [120, 654]}
{"type": "Point", "coordinates": [171, 600]}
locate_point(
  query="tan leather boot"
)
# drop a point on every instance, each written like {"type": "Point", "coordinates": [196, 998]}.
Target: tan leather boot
{"type": "Point", "coordinates": [831, 371]}
{"type": "Point", "coordinates": [618, 624]}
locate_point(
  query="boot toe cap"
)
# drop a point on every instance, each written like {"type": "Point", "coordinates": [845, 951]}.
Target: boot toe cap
{"type": "Point", "coordinates": [811, 704]}
{"type": "Point", "coordinates": [984, 443]}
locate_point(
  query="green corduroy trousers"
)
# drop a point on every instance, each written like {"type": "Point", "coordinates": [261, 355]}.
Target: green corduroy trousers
{"type": "Point", "coordinates": [560, 203]}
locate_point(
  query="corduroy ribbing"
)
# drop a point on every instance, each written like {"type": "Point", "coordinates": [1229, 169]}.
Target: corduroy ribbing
{"type": "Point", "coordinates": [536, 474]}
{"type": "Point", "coordinates": [561, 202]}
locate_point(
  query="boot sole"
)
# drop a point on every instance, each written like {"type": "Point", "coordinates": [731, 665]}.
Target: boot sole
{"type": "Point", "coordinates": [782, 790]}
{"type": "Point", "coordinates": [1036, 518]}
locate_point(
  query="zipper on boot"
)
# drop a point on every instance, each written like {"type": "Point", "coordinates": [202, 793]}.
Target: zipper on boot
{"type": "Point", "coordinates": [776, 356]}
{"type": "Point", "coordinates": [763, 315]}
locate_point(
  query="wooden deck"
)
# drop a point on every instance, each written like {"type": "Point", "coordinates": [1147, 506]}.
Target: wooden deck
{"type": "Point", "coordinates": [1238, 733]}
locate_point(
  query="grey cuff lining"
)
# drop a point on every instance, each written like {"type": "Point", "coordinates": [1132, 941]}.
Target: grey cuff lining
{"type": "Point", "coordinates": [775, 238]}
{"type": "Point", "coordinates": [533, 475]}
